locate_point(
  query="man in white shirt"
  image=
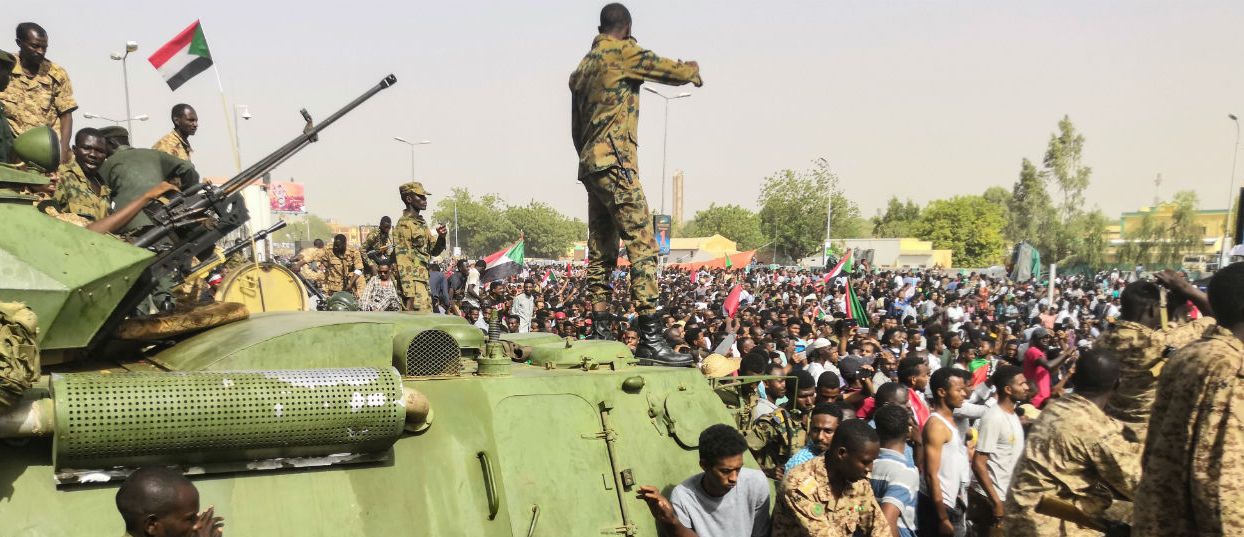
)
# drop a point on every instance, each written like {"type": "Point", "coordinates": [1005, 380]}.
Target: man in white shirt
{"type": "Point", "coordinates": [725, 500]}
{"type": "Point", "coordinates": [473, 288]}
{"type": "Point", "coordinates": [524, 306]}
{"type": "Point", "coordinates": [998, 448]}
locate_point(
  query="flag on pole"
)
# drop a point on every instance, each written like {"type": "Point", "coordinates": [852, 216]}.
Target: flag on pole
{"type": "Point", "coordinates": [731, 305]}
{"type": "Point", "coordinates": [854, 309]}
{"type": "Point", "coordinates": [846, 264]}
{"type": "Point", "coordinates": [183, 57]}
{"type": "Point", "coordinates": [504, 263]}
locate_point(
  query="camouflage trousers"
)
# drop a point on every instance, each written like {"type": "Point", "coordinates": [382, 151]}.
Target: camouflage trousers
{"type": "Point", "coordinates": [417, 296]}
{"type": "Point", "coordinates": [617, 209]}
{"type": "Point", "coordinates": [19, 357]}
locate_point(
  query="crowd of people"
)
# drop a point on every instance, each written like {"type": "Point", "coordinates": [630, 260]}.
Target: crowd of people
{"type": "Point", "coordinates": [876, 401]}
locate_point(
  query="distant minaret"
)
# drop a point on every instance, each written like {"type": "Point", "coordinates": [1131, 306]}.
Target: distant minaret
{"type": "Point", "coordinates": [678, 180]}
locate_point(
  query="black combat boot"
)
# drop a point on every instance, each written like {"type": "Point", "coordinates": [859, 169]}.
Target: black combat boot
{"type": "Point", "coordinates": [653, 349]}
{"type": "Point", "coordinates": [602, 326]}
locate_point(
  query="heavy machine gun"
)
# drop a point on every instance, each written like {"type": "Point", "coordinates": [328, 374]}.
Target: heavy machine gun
{"type": "Point", "coordinates": [192, 222]}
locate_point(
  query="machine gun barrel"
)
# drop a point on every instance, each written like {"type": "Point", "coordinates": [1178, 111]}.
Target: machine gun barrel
{"type": "Point", "coordinates": [199, 198]}
{"type": "Point", "coordinates": [309, 135]}
{"type": "Point", "coordinates": [258, 236]}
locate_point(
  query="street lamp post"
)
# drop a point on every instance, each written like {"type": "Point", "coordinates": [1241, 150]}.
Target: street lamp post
{"type": "Point", "coordinates": [664, 135]}
{"type": "Point", "coordinates": [139, 117]}
{"type": "Point", "coordinates": [1231, 195]}
{"type": "Point", "coordinates": [237, 127]}
{"type": "Point", "coordinates": [412, 151]}
{"type": "Point", "coordinates": [130, 46]}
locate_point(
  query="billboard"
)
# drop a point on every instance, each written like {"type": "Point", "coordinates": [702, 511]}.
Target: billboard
{"type": "Point", "coordinates": [286, 197]}
{"type": "Point", "coordinates": [661, 228]}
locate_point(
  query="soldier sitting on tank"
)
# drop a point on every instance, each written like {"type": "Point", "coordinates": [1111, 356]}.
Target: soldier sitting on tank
{"type": "Point", "coordinates": [159, 502]}
{"type": "Point", "coordinates": [725, 499]}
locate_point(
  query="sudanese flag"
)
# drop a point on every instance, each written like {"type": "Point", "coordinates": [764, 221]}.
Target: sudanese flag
{"type": "Point", "coordinates": [184, 57]}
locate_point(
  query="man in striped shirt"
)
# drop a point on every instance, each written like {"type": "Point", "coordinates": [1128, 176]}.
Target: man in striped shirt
{"type": "Point", "coordinates": [894, 479]}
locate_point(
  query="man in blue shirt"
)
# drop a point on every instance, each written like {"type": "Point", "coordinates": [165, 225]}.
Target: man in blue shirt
{"type": "Point", "coordinates": [895, 480]}
{"type": "Point", "coordinates": [824, 421]}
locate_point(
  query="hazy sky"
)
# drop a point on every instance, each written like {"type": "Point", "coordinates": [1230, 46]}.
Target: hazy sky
{"type": "Point", "coordinates": [916, 99]}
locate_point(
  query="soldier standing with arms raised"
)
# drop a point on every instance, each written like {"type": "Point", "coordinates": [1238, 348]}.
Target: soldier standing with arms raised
{"type": "Point", "coordinates": [415, 246]}
{"type": "Point", "coordinates": [604, 121]}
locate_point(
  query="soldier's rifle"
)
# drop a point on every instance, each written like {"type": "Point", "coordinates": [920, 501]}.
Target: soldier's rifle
{"type": "Point", "coordinates": [193, 221]}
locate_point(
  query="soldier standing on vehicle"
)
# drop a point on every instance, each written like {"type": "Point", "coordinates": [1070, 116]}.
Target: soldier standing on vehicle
{"type": "Point", "coordinates": [415, 247]}
{"type": "Point", "coordinates": [604, 121]}
{"type": "Point", "coordinates": [177, 141]}
{"type": "Point", "coordinates": [40, 92]}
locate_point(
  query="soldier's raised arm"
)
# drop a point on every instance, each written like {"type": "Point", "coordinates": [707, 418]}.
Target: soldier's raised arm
{"type": "Point", "coordinates": [644, 64]}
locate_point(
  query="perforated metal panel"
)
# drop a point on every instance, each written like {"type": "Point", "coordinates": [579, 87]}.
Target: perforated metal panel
{"type": "Point", "coordinates": [105, 420]}
{"type": "Point", "coordinates": [433, 353]}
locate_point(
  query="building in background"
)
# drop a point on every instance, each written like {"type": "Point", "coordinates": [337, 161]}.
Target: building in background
{"type": "Point", "coordinates": [1129, 234]}
{"type": "Point", "coordinates": [903, 252]}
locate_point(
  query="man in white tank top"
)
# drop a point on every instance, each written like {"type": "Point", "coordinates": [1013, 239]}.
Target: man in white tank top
{"type": "Point", "coordinates": [943, 491]}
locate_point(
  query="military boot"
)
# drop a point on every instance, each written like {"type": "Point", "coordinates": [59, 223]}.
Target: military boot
{"type": "Point", "coordinates": [653, 349]}
{"type": "Point", "coordinates": [602, 326]}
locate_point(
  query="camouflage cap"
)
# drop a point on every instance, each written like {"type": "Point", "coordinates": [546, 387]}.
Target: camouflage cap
{"type": "Point", "coordinates": [7, 60]}
{"type": "Point", "coordinates": [413, 187]}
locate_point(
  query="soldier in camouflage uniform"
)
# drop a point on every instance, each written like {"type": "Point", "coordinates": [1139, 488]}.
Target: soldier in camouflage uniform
{"type": "Point", "coordinates": [40, 92]}
{"type": "Point", "coordinates": [177, 141]}
{"type": "Point", "coordinates": [1076, 453]}
{"type": "Point", "coordinates": [19, 356]}
{"type": "Point", "coordinates": [7, 61]}
{"type": "Point", "coordinates": [830, 495]}
{"type": "Point", "coordinates": [1143, 346]}
{"type": "Point", "coordinates": [340, 267]}
{"type": "Point", "coordinates": [378, 246]}
{"type": "Point", "coordinates": [1193, 479]}
{"type": "Point", "coordinates": [415, 247]}
{"type": "Point", "coordinates": [80, 190]}
{"type": "Point", "coordinates": [605, 117]}
{"type": "Point", "coordinates": [773, 438]}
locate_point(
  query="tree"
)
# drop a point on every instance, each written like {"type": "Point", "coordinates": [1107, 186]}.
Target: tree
{"type": "Point", "coordinates": [1183, 234]}
{"type": "Point", "coordinates": [1086, 233]}
{"type": "Point", "coordinates": [1139, 241]}
{"type": "Point", "coordinates": [897, 220]}
{"type": "Point", "coordinates": [548, 233]}
{"type": "Point", "coordinates": [305, 228]}
{"type": "Point", "coordinates": [1001, 197]}
{"type": "Point", "coordinates": [1030, 209]}
{"type": "Point", "coordinates": [1062, 162]}
{"type": "Point", "coordinates": [792, 204]}
{"type": "Point", "coordinates": [730, 221]}
{"type": "Point", "coordinates": [482, 229]}
{"type": "Point", "coordinates": [969, 225]}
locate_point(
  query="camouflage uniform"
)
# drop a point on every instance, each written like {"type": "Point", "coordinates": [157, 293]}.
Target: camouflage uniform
{"type": "Point", "coordinates": [1142, 353]}
{"type": "Point", "coordinates": [6, 138]}
{"type": "Point", "coordinates": [807, 508]}
{"type": "Point", "coordinates": [1193, 480]}
{"type": "Point", "coordinates": [19, 356]}
{"type": "Point", "coordinates": [173, 144]}
{"type": "Point", "coordinates": [773, 438]}
{"type": "Point", "coordinates": [31, 101]}
{"type": "Point", "coordinates": [337, 272]}
{"type": "Point", "coordinates": [415, 245]}
{"type": "Point", "coordinates": [77, 194]}
{"type": "Point", "coordinates": [1076, 453]}
{"type": "Point", "coordinates": [375, 242]}
{"type": "Point", "coordinates": [605, 117]}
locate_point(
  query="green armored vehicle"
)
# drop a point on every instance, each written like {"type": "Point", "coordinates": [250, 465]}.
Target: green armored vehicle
{"type": "Point", "coordinates": [310, 424]}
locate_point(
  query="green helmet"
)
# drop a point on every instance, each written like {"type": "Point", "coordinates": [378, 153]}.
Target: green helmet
{"type": "Point", "coordinates": [38, 147]}
{"type": "Point", "coordinates": [342, 301]}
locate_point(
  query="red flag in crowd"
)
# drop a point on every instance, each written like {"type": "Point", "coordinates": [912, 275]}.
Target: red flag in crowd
{"type": "Point", "coordinates": [732, 301]}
